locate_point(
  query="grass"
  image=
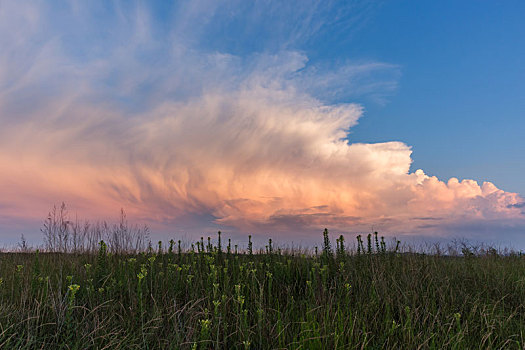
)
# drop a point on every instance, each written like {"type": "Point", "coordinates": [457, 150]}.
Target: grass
{"type": "Point", "coordinates": [212, 297]}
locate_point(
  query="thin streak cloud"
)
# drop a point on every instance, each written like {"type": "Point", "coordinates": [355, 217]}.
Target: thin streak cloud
{"type": "Point", "coordinates": [180, 135]}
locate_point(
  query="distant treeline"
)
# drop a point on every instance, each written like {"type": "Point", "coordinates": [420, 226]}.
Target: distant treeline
{"type": "Point", "coordinates": [63, 234]}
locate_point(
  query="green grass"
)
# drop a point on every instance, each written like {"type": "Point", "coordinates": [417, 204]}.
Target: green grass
{"type": "Point", "coordinates": [212, 298]}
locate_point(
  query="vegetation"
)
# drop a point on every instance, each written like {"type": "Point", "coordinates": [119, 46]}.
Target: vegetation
{"type": "Point", "coordinates": [215, 296]}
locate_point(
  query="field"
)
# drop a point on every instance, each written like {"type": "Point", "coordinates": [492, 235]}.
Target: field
{"type": "Point", "coordinates": [212, 295]}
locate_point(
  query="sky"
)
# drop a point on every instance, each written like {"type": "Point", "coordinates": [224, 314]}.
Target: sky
{"type": "Point", "coordinates": [272, 118]}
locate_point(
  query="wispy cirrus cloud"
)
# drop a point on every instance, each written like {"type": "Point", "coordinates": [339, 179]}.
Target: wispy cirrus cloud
{"type": "Point", "coordinates": [104, 108]}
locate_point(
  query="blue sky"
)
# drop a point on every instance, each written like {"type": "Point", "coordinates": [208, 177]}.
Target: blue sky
{"type": "Point", "coordinates": [287, 117]}
{"type": "Point", "coordinates": [460, 96]}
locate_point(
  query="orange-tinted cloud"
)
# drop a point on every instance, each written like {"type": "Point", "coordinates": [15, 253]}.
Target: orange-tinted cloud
{"type": "Point", "coordinates": [243, 144]}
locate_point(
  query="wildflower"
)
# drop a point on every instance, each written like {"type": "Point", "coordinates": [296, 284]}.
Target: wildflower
{"type": "Point", "coordinates": [143, 272]}
{"type": "Point", "coordinates": [205, 323]}
{"type": "Point", "coordinates": [216, 304]}
{"type": "Point", "coordinates": [394, 325]}
{"type": "Point", "coordinates": [74, 287]}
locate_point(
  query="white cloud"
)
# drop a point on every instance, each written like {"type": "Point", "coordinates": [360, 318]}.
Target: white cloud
{"type": "Point", "coordinates": [172, 132]}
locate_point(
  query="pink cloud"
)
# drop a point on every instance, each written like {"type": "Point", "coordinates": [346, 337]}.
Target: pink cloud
{"type": "Point", "coordinates": [243, 145]}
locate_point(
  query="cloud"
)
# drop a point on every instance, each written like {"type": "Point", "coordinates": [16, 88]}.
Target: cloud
{"type": "Point", "coordinates": [517, 205]}
{"type": "Point", "coordinates": [150, 120]}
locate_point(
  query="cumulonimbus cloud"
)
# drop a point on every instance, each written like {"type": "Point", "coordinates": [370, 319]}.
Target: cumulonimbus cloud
{"type": "Point", "coordinates": [238, 141]}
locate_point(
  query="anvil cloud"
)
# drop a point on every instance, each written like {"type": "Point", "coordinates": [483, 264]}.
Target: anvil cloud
{"type": "Point", "coordinates": [181, 135]}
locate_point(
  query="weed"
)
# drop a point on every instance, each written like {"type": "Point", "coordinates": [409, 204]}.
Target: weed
{"type": "Point", "coordinates": [371, 297]}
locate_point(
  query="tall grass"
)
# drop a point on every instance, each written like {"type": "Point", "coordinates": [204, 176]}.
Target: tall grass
{"type": "Point", "coordinates": [210, 297]}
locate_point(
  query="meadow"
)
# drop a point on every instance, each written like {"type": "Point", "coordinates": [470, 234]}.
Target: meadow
{"type": "Point", "coordinates": [212, 295]}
